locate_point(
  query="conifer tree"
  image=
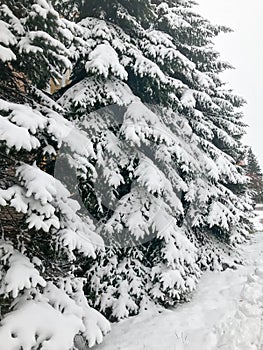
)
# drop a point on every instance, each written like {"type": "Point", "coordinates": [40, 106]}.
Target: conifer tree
{"type": "Point", "coordinates": [42, 232]}
{"type": "Point", "coordinates": [154, 142]}
{"type": "Point", "coordinates": [166, 155]}
{"type": "Point", "coordinates": [254, 172]}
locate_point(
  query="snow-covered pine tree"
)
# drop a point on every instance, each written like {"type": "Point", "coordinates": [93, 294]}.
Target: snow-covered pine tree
{"type": "Point", "coordinates": [166, 155]}
{"type": "Point", "coordinates": [42, 233]}
{"type": "Point", "coordinates": [212, 112]}
{"type": "Point", "coordinates": [254, 172]}
{"type": "Point", "coordinates": [127, 169]}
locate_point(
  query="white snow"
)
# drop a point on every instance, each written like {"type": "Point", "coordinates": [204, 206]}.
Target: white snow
{"type": "Point", "coordinates": [13, 20]}
{"type": "Point", "coordinates": [89, 91]}
{"type": "Point", "coordinates": [258, 219]}
{"type": "Point", "coordinates": [39, 35]}
{"type": "Point", "coordinates": [21, 330]}
{"type": "Point", "coordinates": [16, 136]}
{"type": "Point", "coordinates": [21, 274]}
{"type": "Point", "coordinates": [6, 54]}
{"type": "Point", "coordinates": [6, 36]}
{"type": "Point", "coordinates": [103, 60]}
{"type": "Point", "coordinates": [49, 318]}
{"type": "Point", "coordinates": [225, 313]}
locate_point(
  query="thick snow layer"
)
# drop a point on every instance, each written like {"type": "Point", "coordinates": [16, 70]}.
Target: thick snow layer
{"type": "Point", "coordinates": [49, 319]}
{"type": "Point", "coordinates": [258, 219]}
{"type": "Point", "coordinates": [225, 313]}
{"type": "Point", "coordinates": [103, 60]}
{"type": "Point", "coordinates": [57, 329]}
{"type": "Point", "coordinates": [6, 54]}
{"type": "Point", "coordinates": [6, 37]}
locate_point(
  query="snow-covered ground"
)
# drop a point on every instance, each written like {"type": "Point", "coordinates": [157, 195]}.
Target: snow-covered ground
{"type": "Point", "coordinates": [225, 313]}
{"type": "Point", "coordinates": [258, 220]}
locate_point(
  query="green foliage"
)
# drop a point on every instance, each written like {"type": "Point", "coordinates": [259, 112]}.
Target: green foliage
{"type": "Point", "coordinates": [155, 62]}
{"type": "Point", "coordinates": [38, 40]}
{"type": "Point", "coordinates": [254, 172]}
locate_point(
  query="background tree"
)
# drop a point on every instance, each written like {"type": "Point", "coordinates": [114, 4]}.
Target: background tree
{"type": "Point", "coordinates": [254, 172]}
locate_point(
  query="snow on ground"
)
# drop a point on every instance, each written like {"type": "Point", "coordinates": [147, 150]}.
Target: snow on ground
{"type": "Point", "coordinates": [225, 313]}
{"type": "Point", "coordinates": [258, 220]}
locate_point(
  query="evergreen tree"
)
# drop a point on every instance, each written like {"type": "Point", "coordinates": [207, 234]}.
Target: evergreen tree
{"type": "Point", "coordinates": [166, 155]}
{"type": "Point", "coordinates": [154, 139]}
{"type": "Point", "coordinates": [42, 232]}
{"type": "Point", "coordinates": [254, 172]}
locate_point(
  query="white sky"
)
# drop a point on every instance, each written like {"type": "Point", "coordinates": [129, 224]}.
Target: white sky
{"type": "Point", "coordinates": [244, 50]}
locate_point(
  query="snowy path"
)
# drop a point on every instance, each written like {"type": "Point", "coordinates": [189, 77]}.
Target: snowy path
{"type": "Point", "coordinates": [225, 313]}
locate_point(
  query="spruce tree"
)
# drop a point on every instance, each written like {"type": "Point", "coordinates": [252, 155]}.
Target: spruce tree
{"type": "Point", "coordinates": [254, 172]}
{"type": "Point", "coordinates": [166, 153]}
{"type": "Point", "coordinates": [154, 141]}
{"type": "Point", "coordinates": [42, 232]}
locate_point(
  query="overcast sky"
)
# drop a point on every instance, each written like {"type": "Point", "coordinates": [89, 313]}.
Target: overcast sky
{"type": "Point", "coordinates": [244, 50]}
